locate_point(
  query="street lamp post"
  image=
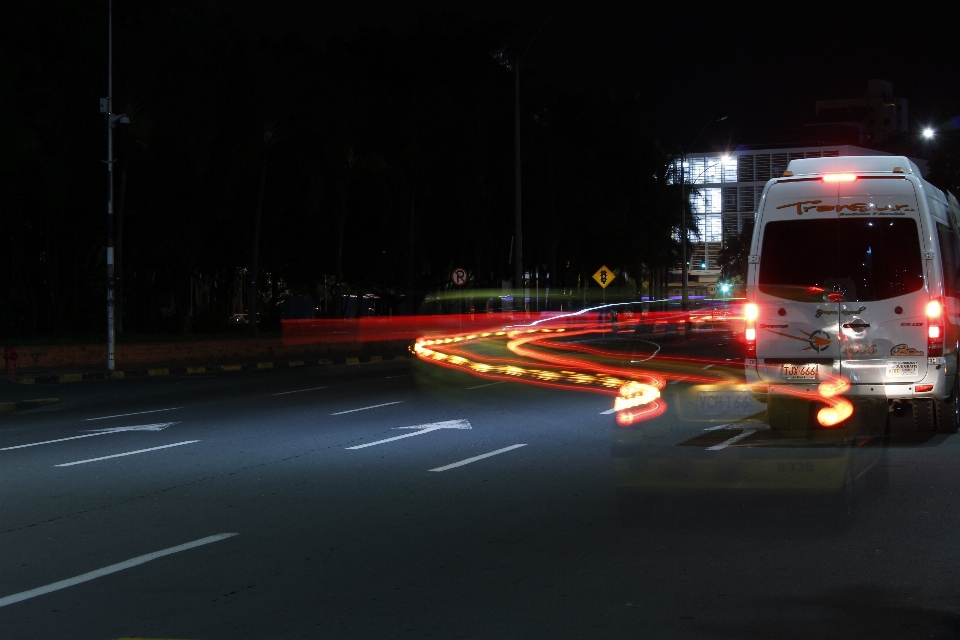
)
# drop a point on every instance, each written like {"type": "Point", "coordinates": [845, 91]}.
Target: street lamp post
{"type": "Point", "coordinates": [512, 63]}
{"type": "Point", "coordinates": [106, 106]}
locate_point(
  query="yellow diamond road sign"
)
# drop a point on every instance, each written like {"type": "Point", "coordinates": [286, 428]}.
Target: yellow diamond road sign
{"type": "Point", "coordinates": [604, 276]}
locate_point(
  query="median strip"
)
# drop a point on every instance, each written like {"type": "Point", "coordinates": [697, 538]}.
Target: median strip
{"type": "Point", "coordinates": [23, 405]}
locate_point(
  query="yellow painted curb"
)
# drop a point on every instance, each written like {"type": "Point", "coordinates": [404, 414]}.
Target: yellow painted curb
{"type": "Point", "coordinates": [324, 361]}
{"type": "Point", "coordinates": [264, 365]}
{"type": "Point", "coordinates": [353, 360]}
{"type": "Point", "coordinates": [295, 363]}
{"type": "Point", "coordinates": [376, 359]}
{"type": "Point", "coordinates": [158, 372]}
{"type": "Point", "coordinates": [71, 377]}
{"type": "Point", "coordinates": [231, 367]}
{"type": "Point", "coordinates": [117, 375]}
{"type": "Point", "coordinates": [26, 380]}
{"type": "Point", "coordinates": [196, 369]}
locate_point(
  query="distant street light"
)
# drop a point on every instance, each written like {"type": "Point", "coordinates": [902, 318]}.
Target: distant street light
{"type": "Point", "coordinates": [928, 133]}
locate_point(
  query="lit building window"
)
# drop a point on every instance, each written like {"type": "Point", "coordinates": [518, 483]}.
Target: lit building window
{"type": "Point", "coordinates": [706, 201]}
{"type": "Point", "coordinates": [710, 228]}
{"type": "Point", "coordinates": [715, 170]}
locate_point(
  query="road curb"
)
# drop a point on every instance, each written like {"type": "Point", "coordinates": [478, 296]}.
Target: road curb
{"type": "Point", "coordinates": [127, 374]}
{"type": "Point", "coordinates": [23, 405]}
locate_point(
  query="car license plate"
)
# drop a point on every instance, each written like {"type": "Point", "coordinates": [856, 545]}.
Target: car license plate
{"type": "Point", "coordinates": [799, 372]}
{"type": "Point", "coordinates": [726, 403]}
{"type": "Point", "coordinates": [903, 369]}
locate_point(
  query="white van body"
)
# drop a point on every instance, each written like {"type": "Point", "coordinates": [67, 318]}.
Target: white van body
{"type": "Point", "coordinates": [847, 252]}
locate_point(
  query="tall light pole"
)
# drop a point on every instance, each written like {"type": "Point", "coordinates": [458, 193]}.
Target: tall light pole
{"type": "Point", "coordinates": [106, 106]}
{"type": "Point", "coordinates": [684, 268]}
{"type": "Point", "coordinates": [512, 63]}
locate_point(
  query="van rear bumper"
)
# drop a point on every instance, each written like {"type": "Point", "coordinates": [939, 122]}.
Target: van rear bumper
{"type": "Point", "coordinates": [941, 389]}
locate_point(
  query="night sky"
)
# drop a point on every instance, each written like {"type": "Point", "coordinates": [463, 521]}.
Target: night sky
{"type": "Point", "coordinates": [762, 65]}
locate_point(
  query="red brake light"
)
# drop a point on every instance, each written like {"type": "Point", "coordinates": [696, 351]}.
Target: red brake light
{"type": "Point", "coordinates": [750, 311]}
{"type": "Point", "coordinates": [934, 312]}
{"type": "Point", "coordinates": [839, 177]}
{"type": "Point", "coordinates": [923, 388]}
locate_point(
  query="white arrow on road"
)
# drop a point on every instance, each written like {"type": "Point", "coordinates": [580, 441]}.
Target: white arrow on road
{"type": "Point", "coordinates": [420, 429]}
{"type": "Point", "coordinates": [97, 432]}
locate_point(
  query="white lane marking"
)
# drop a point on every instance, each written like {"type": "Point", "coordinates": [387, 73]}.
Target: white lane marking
{"type": "Point", "coordinates": [480, 457]}
{"type": "Point", "coordinates": [138, 413]}
{"type": "Point", "coordinates": [726, 443]}
{"type": "Point", "coordinates": [128, 453]}
{"type": "Point", "coordinates": [97, 432]}
{"type": "Point", "coordinates": [446, 424]}
{"type": "Point", "coordinates": [283, 393]}
{"type": "Point", "coordinates": [676, 381]}
{"type": "Point", "coordinates": [608, 412]}
{"type": "Point", "coordinates": [486, 385]}
{"type": "Point", "coordinates": [403, 375]}
{"type": "Point", "coordinates": [160, 426]}
{"type": "Point", "coordinates": [708, 366]}
{"type": "Point", "coordinates": [757, 426]}
{"type": "Point", "coordinates": [421, 429]}
{"type": "Point", "coordinates": [113, 568]}
{"type": "Point", "coordinates": [385, 404]}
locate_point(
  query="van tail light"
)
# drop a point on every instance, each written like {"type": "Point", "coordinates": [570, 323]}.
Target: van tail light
{"type": "Point", "coordinates": [924, 388]}
{"type": "Point", "coordinates": [934, 312]}
{"type": "Point", "coordinates": [750, 313]}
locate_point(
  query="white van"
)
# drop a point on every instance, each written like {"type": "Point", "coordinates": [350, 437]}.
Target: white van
{"type": "Point", "coordinates": [854, 272]}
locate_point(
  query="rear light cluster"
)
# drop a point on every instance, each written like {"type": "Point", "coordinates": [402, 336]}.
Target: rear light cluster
{"type": "Point", "coordinates": [750, 313]}
{"type": "Point", "coordinates": [934, 312]}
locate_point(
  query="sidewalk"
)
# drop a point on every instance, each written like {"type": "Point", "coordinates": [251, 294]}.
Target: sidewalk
{"type": "Point", "coordinates": [155, 369]}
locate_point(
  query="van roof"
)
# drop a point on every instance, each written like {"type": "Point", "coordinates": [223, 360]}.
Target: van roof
{"type": "Point", "coordinates": [852, 164]}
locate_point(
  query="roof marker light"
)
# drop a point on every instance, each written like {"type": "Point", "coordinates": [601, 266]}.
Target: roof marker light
{"type": "Point", "coordinates": [839, 177]}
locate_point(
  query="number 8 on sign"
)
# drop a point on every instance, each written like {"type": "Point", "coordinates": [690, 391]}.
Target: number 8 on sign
{"type": "Point", "coordinates": [459, 277]}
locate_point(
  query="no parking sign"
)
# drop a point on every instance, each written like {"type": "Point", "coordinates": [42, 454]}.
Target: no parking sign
{"type": "Point", "coordinates": [459, 277]}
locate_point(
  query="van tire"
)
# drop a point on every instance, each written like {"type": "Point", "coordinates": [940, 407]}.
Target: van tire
{"type": "Point", "coordinates": [924, 415]}
{"type": "Point", "coordinates": [786, 413]}
{"type": "Point", "coordinates": [948, 411]}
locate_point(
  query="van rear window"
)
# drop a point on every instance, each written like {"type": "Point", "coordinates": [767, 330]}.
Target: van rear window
{"type": "Point", "coordinates": [870, 259]}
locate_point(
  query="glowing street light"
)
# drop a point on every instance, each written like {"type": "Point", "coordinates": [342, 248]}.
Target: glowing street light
{"type": "Point", "coordinates": [928, 133]}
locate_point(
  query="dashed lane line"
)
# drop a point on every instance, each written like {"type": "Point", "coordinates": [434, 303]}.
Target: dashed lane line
{"type": "Point", "coordinates": [113, 568]}
{"type": "Point", "coordinates": [128, 453]}
{"type": "Point", "coordinates": [480, 457]}
{"type": "Point", "coordinates": [283, 393]}
{"type": "Point", "coordinates": [385, 404]}
{"type": "Point", "coordinates": [486, 385]}
{"type": "Point", "coordinates": [138, 413]}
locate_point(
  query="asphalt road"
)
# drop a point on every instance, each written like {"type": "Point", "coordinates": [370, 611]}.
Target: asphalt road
{"type": "Point", "coordinates": [306, 525]}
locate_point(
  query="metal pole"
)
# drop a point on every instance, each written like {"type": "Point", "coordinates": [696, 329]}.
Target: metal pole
{"type": "Point", "coordinates": [684, 299]}
{"type": "Point", "coordinates": [518, 225]}
{"type": "Point", "coordinates": [111, 337]}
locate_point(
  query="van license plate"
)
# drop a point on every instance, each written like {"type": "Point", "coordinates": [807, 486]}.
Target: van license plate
{"type": "Point", "coordinates": [904, 369]}
{"type": "Point", "coordinates": [799, 372]}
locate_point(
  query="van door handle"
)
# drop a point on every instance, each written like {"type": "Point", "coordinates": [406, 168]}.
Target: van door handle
{"type": "Point", "coordinates": [856, 325]}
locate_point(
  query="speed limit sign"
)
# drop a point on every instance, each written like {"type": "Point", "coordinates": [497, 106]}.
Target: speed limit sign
{"type": "Point", "coordinates": [459, 277]}
{"type": "Point", "coordinates": [712, 289]}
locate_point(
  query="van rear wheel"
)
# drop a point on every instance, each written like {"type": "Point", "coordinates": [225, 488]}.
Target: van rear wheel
{"type": "Point", "coordinates": [948, 411]}
{"type": "Point", "coordinates": [924, 415]}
